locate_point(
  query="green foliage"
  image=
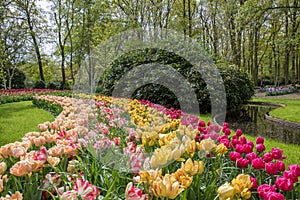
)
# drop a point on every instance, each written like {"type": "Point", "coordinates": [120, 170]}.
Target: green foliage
{"type": "Point", "coordinates": [238, 86]}
{"type": "Point", "coordinates": [39, 85]}
{"type": "Point", "coordinates": [52, 85]}
{"type": "Point", "coordinates": [54, 109]}
{"type": "Point", "coordinates": [18, 80]}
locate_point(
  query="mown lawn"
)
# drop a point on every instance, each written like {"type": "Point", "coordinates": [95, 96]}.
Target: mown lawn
{"type": "Point", "coordinates": [16, 119]}
{"type": "Point", "coordinates": [290, 112]}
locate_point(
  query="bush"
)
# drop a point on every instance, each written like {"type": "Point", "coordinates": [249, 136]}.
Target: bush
{"type": "Point", "coordinates": [39, 85]}
{"type": "Point", "coordinates": [52, 85]}
{"type": "Point", "coordinates": [238, 86]}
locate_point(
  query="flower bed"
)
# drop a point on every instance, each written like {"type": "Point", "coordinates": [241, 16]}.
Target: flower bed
{"type": "Point", "coordinates": [107, 148]}
{"type": "Point", "coordinates": [15, 95]}
{"type": "Point", "coordinates": [274, 91]}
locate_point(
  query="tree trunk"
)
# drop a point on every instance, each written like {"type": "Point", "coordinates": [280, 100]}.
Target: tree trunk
{"type": "Point", "coordinates": [287, 51]}
{"type": "Point", "coordinates": [36, 46]}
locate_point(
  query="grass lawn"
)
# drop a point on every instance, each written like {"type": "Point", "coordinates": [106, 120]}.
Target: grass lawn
{"type": "Point", "coordinates": [16, 119]}
{"type": "Point", "coordinates": [290, 112]}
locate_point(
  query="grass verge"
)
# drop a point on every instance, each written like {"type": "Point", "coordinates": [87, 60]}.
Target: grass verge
{"type": "Point", "coordinates": [16, 119]}
{"type": "Point", "coordinates": [290, 112]}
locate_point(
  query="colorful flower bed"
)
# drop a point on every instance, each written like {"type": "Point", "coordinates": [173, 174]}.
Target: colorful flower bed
{"type": "Point", "coordinates": [274, 91]}
{"type": "Point", "coordinates": [108, 148]}
{"type": "Point", "coordinates": [15, 95]}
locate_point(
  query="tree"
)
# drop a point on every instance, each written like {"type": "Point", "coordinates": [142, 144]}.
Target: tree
{"type": "Point", "coordinates": [29, 13]}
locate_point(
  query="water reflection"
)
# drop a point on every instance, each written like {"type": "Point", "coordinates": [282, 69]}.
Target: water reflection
{"type": "Point", "coordinates": [251, 119]}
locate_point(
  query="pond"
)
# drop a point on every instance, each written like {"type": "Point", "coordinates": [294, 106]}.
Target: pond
{"type": "Point", "coordinates": [252, 120]}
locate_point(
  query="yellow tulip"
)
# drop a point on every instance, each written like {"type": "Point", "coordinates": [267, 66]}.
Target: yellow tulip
{"type": "Point", "coordinates": [190, 167]}
{"type": "Point", "coordinates": [221, 149]}
{"type": "Point", "coordinates": [167, 187]}
{"type": "Point", "coordinates": [226, 192]}
{"type": "Point", "coordinates": [207, 145]}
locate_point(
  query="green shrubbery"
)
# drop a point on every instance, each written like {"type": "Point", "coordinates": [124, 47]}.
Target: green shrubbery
{"type": "Point", "coordinates": [238, 85]}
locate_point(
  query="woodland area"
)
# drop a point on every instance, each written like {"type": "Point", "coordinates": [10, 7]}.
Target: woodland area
{"type": "Point", "coordinates": [48, 40]}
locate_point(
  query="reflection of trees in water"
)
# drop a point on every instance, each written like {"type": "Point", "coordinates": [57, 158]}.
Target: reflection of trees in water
{"type": "Point", "coordinates": [251, 119]}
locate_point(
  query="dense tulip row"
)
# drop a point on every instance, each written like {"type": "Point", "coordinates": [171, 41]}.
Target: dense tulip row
{"type": "Point", "coordinates": [98, 145]}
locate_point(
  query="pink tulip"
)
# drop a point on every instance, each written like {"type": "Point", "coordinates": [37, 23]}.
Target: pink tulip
{"type": "Point", "coordinates": [239, 132]}
{"type": "Point", "coordinates": [277, 153]}
{"type": "Point", "coordinates": [242, 162]}
{"type": "Point", "coordinates": [133, 193]}
{"type": "Point", "coordinates": [268, 157]}
{"type": "Point", "coordinates": [259, 140]}
{"type": "Point", "coordinates": [290, 175]}
{"type": "Point", "coordinates": [251, 156]}
{"type": "Point", "coordinates": [284, 184]}
{"type": "Point", "coordinates": [271, 168]}
{"type": "Point", "coordinates": [295, 168]}
{"type": "Point", "coordinates": [260, 147]}
{"type": "Point", "coordinates": [280, 165]}
{"type": "Point", "coordinates": [274, 196]}
{"type": "Point", "coordinates": [234, 156]}
{"type": "Point", "coordinates": [264, 189]}
{"type": "Point", "coordinates": [254, 183]}
{"type": "Point", "coordinates": [258, 163]}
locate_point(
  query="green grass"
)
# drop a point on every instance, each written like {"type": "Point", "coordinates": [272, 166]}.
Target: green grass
{"type": "Point", "coordinates": [292, 151]}
{"type": "Point", "coordinates": [16, 119]}
{"type": "Point", "coordinates": [290, 112]}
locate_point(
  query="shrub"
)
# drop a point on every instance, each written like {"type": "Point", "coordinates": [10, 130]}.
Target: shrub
{"type": "Point", "coordinates": [52, 85]}
{"type": "Point", "coordinates": [238, 86]}
{"type": "Point", "coordinates": [39, 85]}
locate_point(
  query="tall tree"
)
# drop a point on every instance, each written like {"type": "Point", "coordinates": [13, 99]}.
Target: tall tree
{"type": "Point", "coordinates": [29, 12]}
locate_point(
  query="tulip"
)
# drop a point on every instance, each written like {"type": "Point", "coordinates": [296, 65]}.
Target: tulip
{"type": "Point", "coordinates": [271, 168]}
{"type": "Point", "coordinates": [280, 165]}
{"type": "Point", "coordinates": [3, 167]}
{"type": "Point", "coordinates": [267, 157]}
{"type": "Point", "coordinates": [234, 156]}
{"type": "Point", "coordinates": [207, 144]}
{"type": "Point", "coordinates": [251, 156]}
{"type": "Point", "coordinates": [226, 191]}
{"type": "Point", "coordinates": [242, 162]}
{"type": "Point", "coordinates": [254, 183]}
{"type": "Point", "coordinates": [290, 175]}
{"type": "Point", "coordinates": [277, 154]}
{"type": "Point", "coordinates": [21, 168]}
{"type": "Point", "coordinates": [167, 187]}
{"type": "Point", "coordinates": [284, 184]}
{"type": "Point", "coordinates": [295, 168]}
{"type": "Point", "coordinates": [259, 140]}
{"type": "Point", "coordinates": [238, 132]}
{"type": "Point", "coordinates": [260, 147]}
{"type": "Point", "coordinates": [274, 196]}
{"type": "Point", "coordinates": [190, 167]}
{"type": "Point", "coordinates": [264, 189]}
{"type": "Point", "coordinates": [54, 161]}
{"type": "Point", "coordinates": [133, 193]}
{"type": "Point", "coordinates": [221, 149]}
{"type": "Point", "coordinates": [258, 163]}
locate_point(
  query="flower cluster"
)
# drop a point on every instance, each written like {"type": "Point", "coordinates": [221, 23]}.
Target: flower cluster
{"type": "Point", "coordinates": [107, 143]}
